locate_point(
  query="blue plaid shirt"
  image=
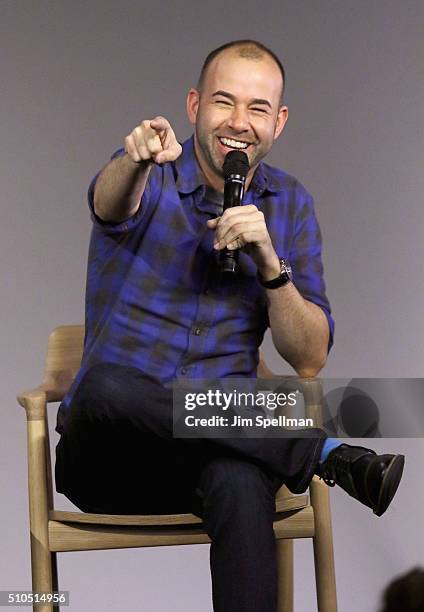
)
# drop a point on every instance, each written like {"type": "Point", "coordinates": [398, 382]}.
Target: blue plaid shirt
{"type": "Point", "coordinates": [154, 296]}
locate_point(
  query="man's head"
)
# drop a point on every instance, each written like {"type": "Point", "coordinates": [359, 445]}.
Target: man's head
{"type": "Point", "coordinates": [406, 592]}
{"type": "Point", "coordinates": [237, 104]}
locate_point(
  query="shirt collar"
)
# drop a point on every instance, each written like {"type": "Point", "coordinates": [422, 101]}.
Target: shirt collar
{"type": "Point", "coordinates": [189, 174]}
{"type": "Point", "coordinates": [268, 179]}
{"type": "Point", "coordinates": [190, 177]}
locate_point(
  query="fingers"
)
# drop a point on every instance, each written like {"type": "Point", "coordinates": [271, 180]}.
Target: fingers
{"type": "Point", "coordinates": [230, 213]}
{"type": "Point", "coordinates": [240, 235]}
{"type": "Point", "coordinates": [135, 152]}
{"type": "Point", "coordinates": [153, 140]}
{"type": "Point", "coordinates": [238, 226]}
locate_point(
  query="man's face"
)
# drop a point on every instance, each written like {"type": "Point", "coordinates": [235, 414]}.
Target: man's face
{"type": "Point", "coordinates": [238, 108]}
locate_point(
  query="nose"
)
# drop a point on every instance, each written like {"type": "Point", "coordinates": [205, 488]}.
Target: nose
{"type": "Point", "coordinates": [238, 120]}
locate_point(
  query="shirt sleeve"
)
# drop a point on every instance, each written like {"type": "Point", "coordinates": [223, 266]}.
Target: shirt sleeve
{"type": "Point", "coordinates": [306, 261]}
{"type": "Point", "coordinates": [127, 225]}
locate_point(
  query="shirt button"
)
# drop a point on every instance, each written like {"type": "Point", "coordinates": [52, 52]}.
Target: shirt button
{"type": "Point", "coordinates": [197, 331]}
{"type": "Point", "coordinates": [183, 370]}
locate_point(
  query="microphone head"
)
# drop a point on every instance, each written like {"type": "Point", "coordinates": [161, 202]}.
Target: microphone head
{"type": "Point", "coordinates": [235, 162]}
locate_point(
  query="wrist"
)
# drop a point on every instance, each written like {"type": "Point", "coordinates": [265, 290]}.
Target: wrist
{"type": "Point", "coordinates": [283, 276]}
{"type": "Point", "coordinates": [270, 269]}
{"type": "Point", "coordinates": [138, 165]}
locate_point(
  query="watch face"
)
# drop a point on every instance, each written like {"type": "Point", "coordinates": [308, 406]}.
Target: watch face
{"type": "Point", "coordinates": [286, 268]}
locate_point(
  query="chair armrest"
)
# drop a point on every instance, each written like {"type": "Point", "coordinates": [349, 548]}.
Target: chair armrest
{"type": "Point", "coordinates": [311, 389]}
{"type": "Point", "coordinates": [34, 402]}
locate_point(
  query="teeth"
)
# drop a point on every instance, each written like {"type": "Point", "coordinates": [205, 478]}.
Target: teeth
{"type": "Point", "coordinates": [235, 144]}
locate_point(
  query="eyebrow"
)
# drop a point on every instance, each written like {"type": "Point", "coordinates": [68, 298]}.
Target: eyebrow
{"type": "Point", "coordinates": [231, 97]}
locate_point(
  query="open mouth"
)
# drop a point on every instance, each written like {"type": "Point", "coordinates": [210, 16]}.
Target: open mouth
{"type": "Point", "coordinates": [231, 144]}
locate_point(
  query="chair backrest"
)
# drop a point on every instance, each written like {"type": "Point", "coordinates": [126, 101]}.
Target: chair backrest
{"type": "Point", "coordinates": [64, 354]}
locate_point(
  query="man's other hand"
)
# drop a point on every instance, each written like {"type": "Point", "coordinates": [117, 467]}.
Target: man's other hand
{"type": "Point", "coordinates": [153, 140]}
{"type": "Point", "coordinates": [244, 227]}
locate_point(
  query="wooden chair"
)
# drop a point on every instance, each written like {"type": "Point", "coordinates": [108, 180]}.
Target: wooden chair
{"type": "Point", "coordinates": [53, 531]}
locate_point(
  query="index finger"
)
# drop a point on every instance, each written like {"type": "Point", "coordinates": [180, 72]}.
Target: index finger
{"type": "Point", "coordinates": [159, 124]}
{"type": "Point", "coordinates": [241, 208]}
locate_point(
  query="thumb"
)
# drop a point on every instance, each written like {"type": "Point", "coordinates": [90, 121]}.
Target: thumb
{"type": "Point", "coordinates": [169, 153]}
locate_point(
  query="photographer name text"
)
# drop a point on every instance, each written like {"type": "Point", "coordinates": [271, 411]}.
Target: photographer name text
{"type": "Point", "coordinates": [239, 421]}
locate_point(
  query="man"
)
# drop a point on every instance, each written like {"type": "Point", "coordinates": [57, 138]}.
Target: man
{"type": "Point", "coordinates": [158, 310]}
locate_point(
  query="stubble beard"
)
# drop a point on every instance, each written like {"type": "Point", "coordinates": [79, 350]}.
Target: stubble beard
{"type": "Point", "coordinates": [214, 159]}
{"type": "Point", "coordinates": [206, 145]}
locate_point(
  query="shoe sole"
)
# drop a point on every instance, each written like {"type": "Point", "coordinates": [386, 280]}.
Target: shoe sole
{"type": "Point", "coordinates": [390, 483]}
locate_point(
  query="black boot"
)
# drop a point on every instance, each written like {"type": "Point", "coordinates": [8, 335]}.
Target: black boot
{"type": "Point", "coordinates": [372, 479]}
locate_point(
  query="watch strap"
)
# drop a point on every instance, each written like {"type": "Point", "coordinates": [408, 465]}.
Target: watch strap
{"type": "Point", "coordinates": [282, 279]}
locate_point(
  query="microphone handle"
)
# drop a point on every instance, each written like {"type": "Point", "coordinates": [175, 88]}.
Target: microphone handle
{"type": "Point", "coordinates": [233, 195]}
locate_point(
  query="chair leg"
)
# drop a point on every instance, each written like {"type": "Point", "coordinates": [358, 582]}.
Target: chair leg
{"type": "Point", "coordinates": [43, 561]}
{"type": "Point", "coordinates": [325, 575]}
{"type": "Point", "coordinates": [55, 580]}
{"type": "Point", "coordinates": [44, 574]}
{"type": "Point", "coordinates": [285, 575]}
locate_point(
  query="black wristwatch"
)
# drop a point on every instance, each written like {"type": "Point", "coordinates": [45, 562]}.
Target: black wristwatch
{"type": "Point", "coordinates": [282, 279]}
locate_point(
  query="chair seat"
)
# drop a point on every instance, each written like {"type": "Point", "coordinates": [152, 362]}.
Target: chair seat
{"type": "Point", "coordinates": [65, 536]}
{"type": "Point", "coordinates": [287, 504]}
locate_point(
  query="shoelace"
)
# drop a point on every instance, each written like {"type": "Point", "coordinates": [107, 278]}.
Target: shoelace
{"type": "Point", "coordinates": [337, 463]}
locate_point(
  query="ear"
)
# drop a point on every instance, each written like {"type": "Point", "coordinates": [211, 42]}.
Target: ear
{"type": "Point", "coordinates": [283, 115]}
{"type": "Point", "coordinates": [192, 104]}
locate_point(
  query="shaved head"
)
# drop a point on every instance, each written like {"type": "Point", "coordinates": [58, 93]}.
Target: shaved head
{"type": "Point", "coordinates": [247, 49]}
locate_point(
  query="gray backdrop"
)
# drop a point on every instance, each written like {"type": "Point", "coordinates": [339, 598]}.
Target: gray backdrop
{"type": "Point", "coordinates": [76, 78]}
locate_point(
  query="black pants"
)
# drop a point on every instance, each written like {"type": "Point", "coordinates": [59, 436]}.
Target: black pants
{"type": "Point", "coordinates": [116, 455]}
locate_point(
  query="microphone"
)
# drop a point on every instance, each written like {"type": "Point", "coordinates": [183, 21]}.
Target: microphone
{"type": "Point", "coordinates": [235, 169]}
